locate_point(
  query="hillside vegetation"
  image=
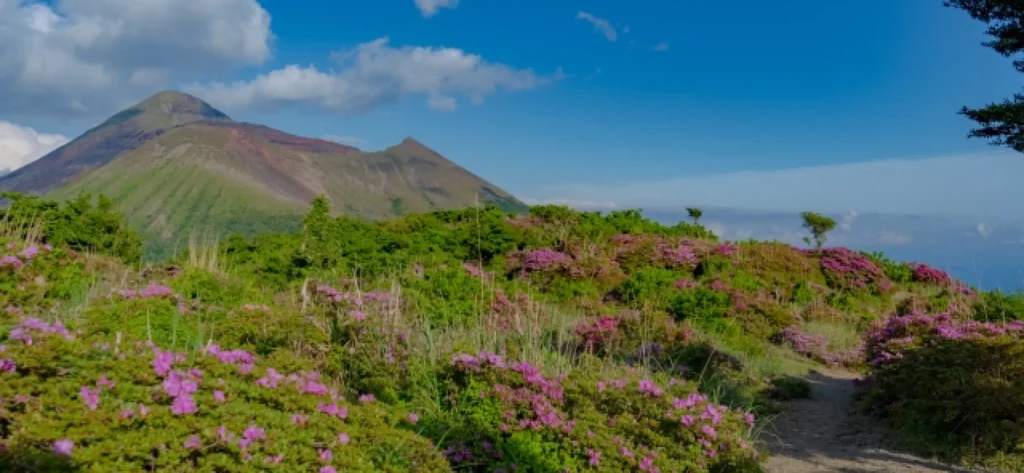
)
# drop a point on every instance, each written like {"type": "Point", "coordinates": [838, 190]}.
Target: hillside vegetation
{"type": "Point", "coordinates": [175, 167]}
{"type": "Point", "coordinates": [472, 340]}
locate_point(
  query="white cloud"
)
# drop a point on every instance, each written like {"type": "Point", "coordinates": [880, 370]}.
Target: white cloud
{"type": "Point", "coordinates": [576, 204]}
{"type": "Point", "coordinates": [429, 8]}
{"type": "Point", "coordinates": [347, 140]}
{"type": "Point", "coordinates": [73, 57]}
{"type": "Point", "coordinates": [984, 229]}
{"type": "Point", "coordinates": [848, 219]}
{"type": "Point", "coordinates": [600, 25]}
{"type": "Point", "coordinates": [20, 145]}
{"type": "Point", "coordinates": [373, 74]}
{"type": "Point", "coordinates": [979, 186]}
{"type": "Point", "coordinates": [661, 47]}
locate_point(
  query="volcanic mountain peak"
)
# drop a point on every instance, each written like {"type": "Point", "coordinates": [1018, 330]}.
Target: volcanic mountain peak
{"type": "Point", "coordinates": [124, 131]}
{"type": "Point", "coordinates": [166, 109]}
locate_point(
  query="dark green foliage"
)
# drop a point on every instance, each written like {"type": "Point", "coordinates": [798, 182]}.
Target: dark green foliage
{"type": "Point", "coordinates": [78, 224]}
{"type": "Point", "coordinates": [998, 306]}
{"type": "Point", "coordinates": [1001, 123]}
{"type": "Point", "coordinates": [695, 214]}
{"type": "Point", "coordinates": [819, 226]}
{"type": "Point", "coordinates": [896, 271]}
{"type": "Point", "coordinates": [649, 285]}
{"type": "Point", "coordinates": [956, 398]}
{"type": "Point", "coordinates": [700, 304]}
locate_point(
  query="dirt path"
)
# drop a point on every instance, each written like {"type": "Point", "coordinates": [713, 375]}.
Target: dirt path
{"type": "Point", "coordinates": [823, 434]}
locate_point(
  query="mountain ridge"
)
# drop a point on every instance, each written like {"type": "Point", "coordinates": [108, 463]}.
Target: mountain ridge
{"type": "Point", "coordinates": [176, 165]}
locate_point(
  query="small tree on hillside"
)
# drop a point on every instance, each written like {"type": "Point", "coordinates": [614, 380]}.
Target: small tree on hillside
{"type": "Point", "coordinates": [695, 214]}
{"type": "Point", "coordinates": [1002, 123]}
{"type": "Point", "coordinates": [819, 226]}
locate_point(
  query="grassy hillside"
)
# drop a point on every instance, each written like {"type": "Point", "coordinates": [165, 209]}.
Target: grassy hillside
{"type": "Point", "coordinates": [471, 340]}
{"type": "Point", "coordinates": [224, 178]}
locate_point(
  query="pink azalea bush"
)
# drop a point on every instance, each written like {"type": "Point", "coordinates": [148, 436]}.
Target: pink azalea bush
{"type": "Point", "coordinates": [518, 419]}
{"type": "Point", "coordinates": [921, 272]}
{"type": "Point", "coordinates": [848, 270]}
{"type": "Point", "coordinates": [951, 387]}
{"type": "Point", "coordinates": [127, 405]}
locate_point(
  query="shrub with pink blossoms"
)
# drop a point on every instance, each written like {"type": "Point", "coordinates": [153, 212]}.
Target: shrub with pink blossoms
{"type": "Point", "coordinates": [512, 414]}
{"type": "Point", "coordinates": [950, 387]}
{"type": "Point", "coordinates": [921, 272]}
{"type": "Point", "coordinates": [851, 271]}
{"type": "Point", "coordinates": [135, 407]}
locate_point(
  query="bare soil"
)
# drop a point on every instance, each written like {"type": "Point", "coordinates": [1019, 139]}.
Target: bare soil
{"type": "Point", "coordinates": [824, 434]}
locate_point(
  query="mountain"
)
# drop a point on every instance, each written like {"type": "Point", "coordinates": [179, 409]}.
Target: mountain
{"type": "Point", "coordinates": [175, 166]}
{"type": "Point", "coordinates": [122, 132]}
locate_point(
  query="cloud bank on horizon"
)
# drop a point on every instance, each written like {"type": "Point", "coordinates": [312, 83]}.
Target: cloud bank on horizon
{"type": "Point", "coordinates": [984, 186]}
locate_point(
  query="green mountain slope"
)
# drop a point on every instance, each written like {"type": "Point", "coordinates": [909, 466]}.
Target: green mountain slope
{"type": "Point", "coordinates": [224, 177]}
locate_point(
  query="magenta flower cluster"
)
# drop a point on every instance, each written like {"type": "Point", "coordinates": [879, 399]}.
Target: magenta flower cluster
{"type": "Point", "coordinates": [888, 342]}
{"type": "Point", "coordinates": [23, 257]}
{"type": "Point", "coordinates": [538, 404]}
{"type": "Point", "coordinates": [596, 334]}
{"type": "Point", "coordinates": [544, 259]}
{"type": "Point", "coordinates": [921, 272]}
{"type": "Point", "coordinates": [850, 270]}
{"type": "Point", "coordinates": [27, 326]}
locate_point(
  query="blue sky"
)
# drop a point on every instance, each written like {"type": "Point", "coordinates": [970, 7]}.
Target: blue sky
{"type": "Point", "coordinates": [781, 106]}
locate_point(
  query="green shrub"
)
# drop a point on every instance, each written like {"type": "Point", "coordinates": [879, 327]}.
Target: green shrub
{"type": "Point", "coordinates": [951, 388]}
{"type": "Point", "coordinates": [77, 224]}
{"type": "Point", "coordinates": [103, 403]}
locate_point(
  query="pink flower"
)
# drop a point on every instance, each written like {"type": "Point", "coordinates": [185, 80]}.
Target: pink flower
{"type": "Point", "coordinates": [163, 362]}
{"type": "Point", "coordinates": [365, 398]}
{"type": "Point", "coordinates": [224, 435]}
{"type": "Point", "coordinates": [63, 447]}
{"type": "Point", "coordinates": [7, 366]}
{"type": "Point", "coordinates": [325, 454]}
{"type": "Point", "coordinates": [183, 404]}
{"type": "Point", "coordinates": [274, 460]}
{"type": "Point", "coordinates": [343, 438]}
{"type": "Point", "coordinates": [126, 413]}
{"type": "Point", "coordinates": [218, 396]}
{"type": "Point", "coordinates": [300, 419]}
{"type": "Point", "coordinates": [91, 397]}
{"type": "Point", "coordinates": [413, 418]}
{"type": "Point", "coordinates": [103, 382]}
{"type": "Point", "coordinates": [176, 386]}
{"type": "Point", "coordinates": [143, 410]}
{"type": "Point", "coordinates": [328, 469]}
{"type": "Point", "coordinates": [192, 443]}
{"type": "Point", "coordinates": [254, 433]}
